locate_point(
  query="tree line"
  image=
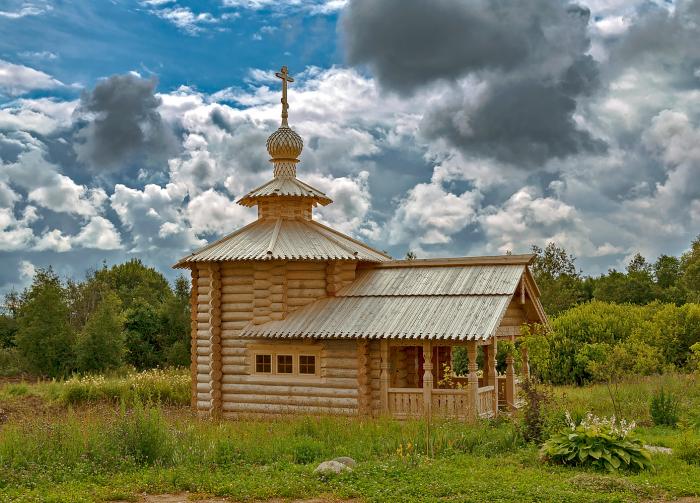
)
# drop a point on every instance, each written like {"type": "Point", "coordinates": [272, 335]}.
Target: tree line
{"type": "Point", "coordinates": [127, 314]}
{"type": "Point", "coordinates": [640, 321]}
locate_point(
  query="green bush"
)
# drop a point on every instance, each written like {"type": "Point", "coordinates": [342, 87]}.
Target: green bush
{"type": "Point", "coordinates": [599, 443]}
{"type": "Point", "coordinates": [664, 409]}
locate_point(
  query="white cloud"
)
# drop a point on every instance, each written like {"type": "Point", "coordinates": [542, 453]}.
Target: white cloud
{"type": "Point", "coordinates": [14, 234]}
{"type": "Point", "coordinates": [213, 213]}
{"type": "Point", "coordinates": [42, 115]}
{"type": "Point", "coordinates": [20, 79]}
{"type": "Point", "coordinates": [99, 233]}
{"type": "Point", "coordinates": [53, 240]}
{"type": "Point", "coordinates": [430, 215]}
{"type": "Point", "coordinates": [27, 9]}
{"type": "Point", "coordinates": [308, 6]}
{"type": "Point", "coordinates": [185, 19]}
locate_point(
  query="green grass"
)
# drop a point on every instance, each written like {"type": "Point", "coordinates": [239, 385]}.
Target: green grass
{"type": "Point", "coordinates": [93, 450]}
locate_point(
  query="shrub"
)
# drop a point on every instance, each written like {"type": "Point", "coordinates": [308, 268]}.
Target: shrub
{"type": "Point", "coordinates": [599, 443]}
{"type": "Point", "coordinates": [533, 422]}
{"type": "Point", "coordinates": [227, 452]}
{"type": "Point", "coordinates": [664, 409]}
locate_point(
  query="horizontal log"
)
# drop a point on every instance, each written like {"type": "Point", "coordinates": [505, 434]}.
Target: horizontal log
{"type": "Point", "coordinates": [259, 389]}
{"type": "Point", "coordinates": [231, 341]}
{"type": "Point", "coordinates": [202, 387]}
{"type": "Point", "coordinates": [202, 368]}
{"type": "Point", "coordinates": [233, 410]}
{"type": "Point", "coordinates": [262, 301]}
{"type": "Point", "coordinates": [236, 316]}
{"type": "Point", "coordinates": [330, 362]}
{"type": "Point", "coordinates": [233, 351]}
{"type": "Point", "coordinates": [237, 297]}
{"type": "Point", "coordinates": [337, 383]}
{"type": "Point", "coordinates": [336, 372]}
{"type": "Point", "coordinates": [306, 293]}
{"type": "Point", "coordinates": [233, 360]}
{"type": "Point", "coordinates": [259, 320]}
{"type": "Point", "coordinates": [203, 396]}
{"type": "Point", "coordinates": [233, 307]}
{"type": "Point", "coordinates": [232, 328]}
{"type": "Point", "coordinates": [306, 275]}
{"type": "Point", "coordinates": [203, 360]}
{"type": "Point", "coordinates": [233, 284]}
{"type": "Point", "coordinates": [295, 400]}
{"type": "Point", "coordinates": [203, 405]}
{"type": "Point", "coordinates": [306, 266]}
{"type": "Point", "coordinates": [229, 370]}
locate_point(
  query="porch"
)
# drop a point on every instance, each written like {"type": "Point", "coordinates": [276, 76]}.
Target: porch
{"type": "Point", "coordinates": [414, 382]}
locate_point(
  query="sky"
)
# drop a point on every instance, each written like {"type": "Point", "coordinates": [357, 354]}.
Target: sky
{"type": "Point", "coordinates": [129, 128]}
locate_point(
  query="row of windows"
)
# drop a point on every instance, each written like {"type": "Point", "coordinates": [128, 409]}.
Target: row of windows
{"type": "Point", "coordinates": [285, 364]}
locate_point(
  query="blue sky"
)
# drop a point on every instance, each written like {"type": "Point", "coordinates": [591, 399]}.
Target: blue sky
{"type": "Point", "coordinates": [129, 128]}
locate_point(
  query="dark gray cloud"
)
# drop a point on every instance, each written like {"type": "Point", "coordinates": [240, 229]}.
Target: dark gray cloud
{"type": "Point", "coordinates": [122, 123]}
{"type": "Point", "coordinates": [530, 56]}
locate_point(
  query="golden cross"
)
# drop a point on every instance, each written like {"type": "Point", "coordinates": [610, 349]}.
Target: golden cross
{"type": "Point", "coordinates": [284, 75]}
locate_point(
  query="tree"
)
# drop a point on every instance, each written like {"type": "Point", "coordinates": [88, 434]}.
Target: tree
{"type": "Point", "coordinates": [635, 287]}
{"type": "Point", "coordinates": [411, 255]}
{"type": "Point", "coordinates": [690, 271]}
{"type": "Point", "coordinates": [667, 271]}
{"type": "Point", "coordinates": [44, 337]}
{"type": "Point", "coordinates": [175, 322]}
{"type": "Point", "coordinates": [100, 345]}
{"type": "Point", "coordinates": [134, 283]}
{"type": "Point", "coordinates": [560, 283]}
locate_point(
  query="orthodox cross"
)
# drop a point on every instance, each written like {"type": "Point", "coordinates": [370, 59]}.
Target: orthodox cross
{"type": "Point", "coordinates": [284, 75]}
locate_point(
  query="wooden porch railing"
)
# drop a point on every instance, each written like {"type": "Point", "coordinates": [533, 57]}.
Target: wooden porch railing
{"type": "Point", "coordinates": [485, 401]}
{"type": "Point", "coordinates": [407, 403]}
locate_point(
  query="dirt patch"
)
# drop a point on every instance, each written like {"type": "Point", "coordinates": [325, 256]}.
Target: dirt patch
{"type": "Point", "coordinates": [188, 498]}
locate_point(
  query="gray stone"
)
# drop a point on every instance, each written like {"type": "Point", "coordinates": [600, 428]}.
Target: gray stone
{"type": "Point", "coordinates": [349, 462]}
{"type": "Point", "coordinates": [332, 467]}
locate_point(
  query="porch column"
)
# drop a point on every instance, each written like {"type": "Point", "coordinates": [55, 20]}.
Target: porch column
{"type": "Point", "coordinates": [473, 380]}
{"type": "Point", "coordinates": [487, 368]}
{"type": "Point", "coordinates": [526, 363]}
{"type": "Point", "coordinates": [427, 378]}
{"type": "Point", "coordinates": [384, 375]}
{"type": "Point", "coordinates": [493, 377]}
{"type": "Point", "coordinates": [510, 381]}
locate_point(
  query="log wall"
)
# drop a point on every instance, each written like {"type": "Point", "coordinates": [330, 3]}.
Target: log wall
{"type": "Point", "coordinates": [228, 296]}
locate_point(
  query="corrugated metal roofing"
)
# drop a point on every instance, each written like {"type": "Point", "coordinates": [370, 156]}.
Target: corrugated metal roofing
{"type": "Point", "coordinates": [281, 239]}
{"type": "Point", "coordinates": [284, 186]}
{"type": "Point", "coordinates": [471, 280]}
{"type": "Point", "coordinates": [459, 317]}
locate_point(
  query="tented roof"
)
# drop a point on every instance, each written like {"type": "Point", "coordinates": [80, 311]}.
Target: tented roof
{"type": "Point", "coordinates": [281, 239]}
{"type": "Point", "coordinates": [284, 186]}
{"type": "Point", "coordinates": [453, 299]}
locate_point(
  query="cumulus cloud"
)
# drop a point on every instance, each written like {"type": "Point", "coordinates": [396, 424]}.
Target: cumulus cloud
{"type": "Point", "coordinates": [122, 122]}
{"type": "Point", "coordinates": [211, 212]}
{"type": "Point", "coordinates": [42, 115]}
{"type": "Point", "coordinates": [19, 79]}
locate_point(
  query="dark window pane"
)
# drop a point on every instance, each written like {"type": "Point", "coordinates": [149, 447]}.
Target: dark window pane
{"type": "Point", "coordinates": [284, 364]}
{"type": "Point", "coordinates": [263, 364]}
{"type": "Point", "coordinates": [307, 364]}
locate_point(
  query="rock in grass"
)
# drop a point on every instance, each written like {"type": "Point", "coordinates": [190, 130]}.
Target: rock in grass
{"type": "Point", "coordinates": [332, 467]}
{"type": "Point", "coordinates": [349, 462]}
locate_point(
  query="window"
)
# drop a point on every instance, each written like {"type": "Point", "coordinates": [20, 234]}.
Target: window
{"type": "Point", "coordinates": [307, 364]}
{"type": "Point", "coordinates": [284, 364]}
{"type": "Point", "coordinates": [300, 361]}
{"type": "Point", "coordinates": [263, 364]}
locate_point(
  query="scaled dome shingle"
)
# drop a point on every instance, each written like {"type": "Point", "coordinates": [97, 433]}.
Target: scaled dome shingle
{"type": "Point", "coordinates": [284, 144]}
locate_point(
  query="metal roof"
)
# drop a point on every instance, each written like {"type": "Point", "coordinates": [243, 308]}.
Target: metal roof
{"type": "Point", "coordinates": [458, 317]}
{"type": "Point", "coordinates": [471, 280]}
{"type": "Point", "coordinates": [280, 239]}
{"type": "Point", "coordinates": [284, 186]}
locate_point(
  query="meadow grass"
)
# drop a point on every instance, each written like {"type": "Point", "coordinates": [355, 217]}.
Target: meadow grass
{"type": "Point", "coordinates": [93, 450]}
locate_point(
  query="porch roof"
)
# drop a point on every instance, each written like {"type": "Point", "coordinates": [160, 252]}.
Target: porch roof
{"type": "Point", "coordinates": [455, 299]}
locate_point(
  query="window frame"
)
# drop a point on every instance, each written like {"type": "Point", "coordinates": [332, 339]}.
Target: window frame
{"type": "Point", "coordinates": [294, 351]}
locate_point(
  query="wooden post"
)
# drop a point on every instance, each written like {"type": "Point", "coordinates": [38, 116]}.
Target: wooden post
{"type": "Point", "coordinates": [401, 371]}
{"type": "Point", "coordinates": [215, 373]}
{"type": "Point", "coordinates": [427, 378]}
{"type": "Point", "coordinates": [473, 381]}
{"type": "Point", "coordinates": [526, 363]}
{"type": "Point", "coordinates": [487, 368]}
{"type": "Point", "coordinates": [384, 377]}
{"type": "Point", "coordinates": [510, 381]}
{"type": "Point", "coordinates": [493, 376]}
{"type": "Point", "coordinates": [364, 390]}
{"type": "Point", "coordinates": [194, 291]}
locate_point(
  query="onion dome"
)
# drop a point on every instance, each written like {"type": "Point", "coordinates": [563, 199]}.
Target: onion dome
{"type": "Point", "coordinates": [284, 145]}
